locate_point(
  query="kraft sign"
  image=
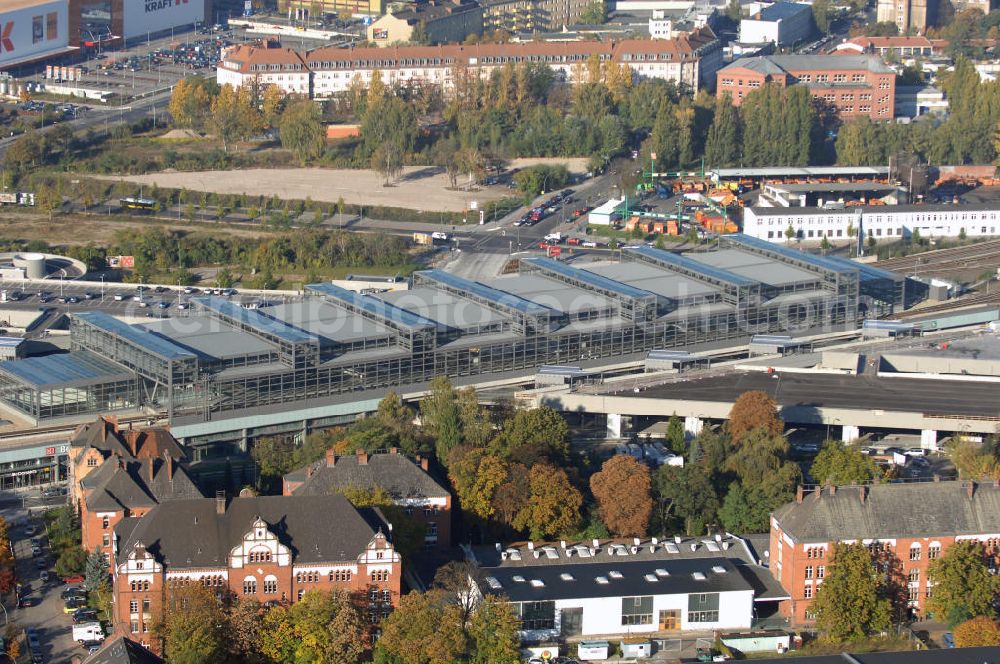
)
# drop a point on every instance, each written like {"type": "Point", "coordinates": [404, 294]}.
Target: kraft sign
{"type": "Point", "coordinates": [5, 41]}
{"type": "Point", "coordinates": [157, 5]}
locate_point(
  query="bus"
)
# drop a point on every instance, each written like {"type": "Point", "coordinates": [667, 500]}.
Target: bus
{"type": "Point", "coordinates": [132, 203]}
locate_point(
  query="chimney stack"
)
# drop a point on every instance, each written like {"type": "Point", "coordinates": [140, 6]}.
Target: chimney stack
{"type": "Point", "coordinates": [863, 494]}
{"type": "Point", "coordinates": [422, 461]}
{"type": "Point", "coordinates": [362, 457]}
{"type": "Point", "coordinates": [220, 502]}
{"type": "Point", "coordinates": [331, 458]}
{"type": "Point", "coordinates": [152, 467]}
{"type": "Point", "coordinates": [169, 460]}
{"type": "Point", "coordinates": [799, 493]}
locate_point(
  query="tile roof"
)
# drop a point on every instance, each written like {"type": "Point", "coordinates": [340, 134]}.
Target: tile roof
{"type": "Point", "coordinates": [105, 436]}
{"type": "Point", "coordinates": [191, 534]}
{"type": "Point", "coordinates": [120, 484]}
{"type": "Point", "coordinates": [920, 509]}
{"type": "Point", "coordinates": [398, 474]}
{"type": "Point", "coordinates": [244, 56]}
{"type": "Point", "coordinates": [122, 650]}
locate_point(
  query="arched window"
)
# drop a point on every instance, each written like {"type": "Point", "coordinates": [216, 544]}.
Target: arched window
{"type": "Point", "coordinates": [250, 585]}
{"type": "Point", "coordinates": [270, 584]}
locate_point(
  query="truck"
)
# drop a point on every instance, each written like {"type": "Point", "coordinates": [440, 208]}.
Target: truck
{"type": "Point", "coordinates": [423, 238]}
{"type": "Point", "coordinates": [90, 631]}
{"type": "Point", "coordinates": [439, 235]}
{"type": "Point", "coordinates": [556, 237]}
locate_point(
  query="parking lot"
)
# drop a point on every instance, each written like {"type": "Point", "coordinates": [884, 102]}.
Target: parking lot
{"type": "Point", "coordinates": [41, 608]}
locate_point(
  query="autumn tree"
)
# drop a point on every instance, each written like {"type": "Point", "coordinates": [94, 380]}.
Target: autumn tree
{"type": "Point", "coordinates": [233, 115]}
{"type": "Point", "coordinates": [978, 632]}
{"type": "Point", "coordinates": [407, 533]}
{"type": "Point", "coordinates": [963, 584]}
{"type": "Point", "coordinates": [534, 435]}
{"type": "Point", "coordinates": [841, 464]}
{"type": "Point", "coordinates": [245, 619]}
{"type": "Point", "coordinates": [190, 102]}
{"type": "Point", "coordinates": [476, 475]}
{"type": "Point", "coordinates": [850, 603]}
{"type": "Point", "coordinates": [301, 130]}
{"type": "Point", "coordinates": [553, 504]}
{"type": "Point", "coordinates": [387, 161]}
{"type": "Point", "coordinates": [754, 410]}
{"type": "Point", "coordinates": [424, 629]}
{"type": "Point", "coordinates": [621, 489]}
{"type": "Point", "coordinates": [191, 625]}
{"type": "Point", "coordinates": [493, 633]}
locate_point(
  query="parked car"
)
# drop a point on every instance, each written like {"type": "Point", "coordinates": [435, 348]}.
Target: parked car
{"type": "Point", "coordinates": [30, 530]}
{"type": "Point", "coordinates": [36, 551]}
{"type": "Point", "coordinates": [44, 576]}
{"type": "Point", "coordinates": [916, 452]}
{"type": "Point", "coordinates": [84, 615]}
{"type": "Point", "coordinates": [76, 578]}
{"type": "Point", "coordinates": [33, 641]}
{"type": "Point", "coordinates": [949, 640]}
{"type": "Point", "coordinates": [73, 592]}
{"type": "Point", "coordinates": [91, 646]}
{"type": "Point", "coordinates": [119, 297]}
{"type": "Point", "coordinates": [74, 604]}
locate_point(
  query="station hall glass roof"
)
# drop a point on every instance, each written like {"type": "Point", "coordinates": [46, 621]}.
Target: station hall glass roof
{"type": "Point", "coordinates": [65, 370]}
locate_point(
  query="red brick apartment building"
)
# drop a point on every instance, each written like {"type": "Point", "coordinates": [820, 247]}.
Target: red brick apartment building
{"type": "Point", "coordinates": [117, 473]}
{"type": "Point", "coordinates": [269, 548]}
{"type": "Point", "coordinates": [916, 523]}
{"type": "Point", "coordinates": [853, 85]}
{"type": "Point", "coordinates": [404, 478]}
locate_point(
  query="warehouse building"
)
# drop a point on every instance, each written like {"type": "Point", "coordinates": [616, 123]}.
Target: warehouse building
{"type": "Point", "coordinates": [33, 30]}
{"type": "Point", "coordinates": [634, 586]}
{"type": "Point", "coordinates": [891, 222]}
{"type": "Point", "coordinates": [225, 375]}
{"type": "Point", "coordinates": [783, 23]}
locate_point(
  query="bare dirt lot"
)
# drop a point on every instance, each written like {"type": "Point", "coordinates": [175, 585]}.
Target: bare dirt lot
{"type": "Point", "coordinates": [419, 188]}
{"type": "Point", "coordinates": [79, 230]}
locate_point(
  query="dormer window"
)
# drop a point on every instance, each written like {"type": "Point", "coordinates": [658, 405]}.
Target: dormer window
{"type": "Point", "coordinates": [92, 462]}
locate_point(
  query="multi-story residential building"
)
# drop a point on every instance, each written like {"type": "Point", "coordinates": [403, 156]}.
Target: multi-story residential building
{"type": "Point", "coordinates": [783, 23]}
{"type": "Point", "coordinates": [404, 478]}
{"type": "Point", "coordinates": [316, 8]}
{"type": "Point", "coordinates": [900, 48]}
{"type": "Point", "coordinates": [269, 548]}
{"type": "Point", "coordinates": [908, 15]}
{"type": "Point", "coordinates": [440, 21]}
{"type": "Point", "coordinates": [891, 222]}
{"type": "Point", "coordinates": [690, 60]}
{"type": "Point", "coordinates": [853, 86]}
{"type": "Point", "coordinates": [516, 16]}
{"type": "Point", "coordinates": [283, 67]}
{"type": "Point", "coordinates": [915, 523]}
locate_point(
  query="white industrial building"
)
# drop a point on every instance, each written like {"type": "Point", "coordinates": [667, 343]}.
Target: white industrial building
{"type": "Point", "coordinates": [878, 221]}
{"type": "Point", "coordinates": [628, 586]}
{"type": "Point", "coordinates": [150, 17]}
{"type": "Point", "coordinates": [783, 23]}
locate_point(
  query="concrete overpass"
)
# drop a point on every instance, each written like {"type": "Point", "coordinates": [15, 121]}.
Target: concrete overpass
{"type": "Point", "coordinates": [849, 401]}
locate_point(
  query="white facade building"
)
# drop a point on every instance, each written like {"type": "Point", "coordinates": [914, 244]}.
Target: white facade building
{"type": "Point", "coordinates": [878, 221]}
{"type": "Point", "coordinates": [691, 60]}
{"type": "Point", "coordinates": [783, 23]}
{"type": "Point", "coordinates": [141, 18]}
{"type": "Point", "coordinates": [32, 30]}
{"type": "Point", "coordinates": [627, 586]}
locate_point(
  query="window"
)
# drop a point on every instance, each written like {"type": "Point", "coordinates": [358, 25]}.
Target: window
{"type": "Point", "coordinates": [934, 551]}
{"type": "Point", "coordinates": [340, 575]}
{"type": "Point", "coordinates": [913, 593]}
{"type": "Point", "coordinates": [914, 575]}
{"type": "Point", "coordinates": [91, 462]}
{"type": "Point", "coordinates": [537, 615]}
{"type": "Point", "coordinates": [809, 571]}
{"type": "Point", "coordinates": [259, 556]}
{"type": "Point", "coordinates": [133, 606]}
{"type": "Point", "coordinates": [380, 575]}
{"type": "Point", "coordinates": [915, 552]}
{"type": "Point", "coordinates": [105, 522]}
{"type": "Point", "coordinates": [808, 592]}
{"type": "Point", "coordinates": [810, 615]}
{"type": "Point", "coordinates": [270, 585]}
{"type": "Point", "coordinates": [145, 605]}
{"type": "Point", "coordinates": [135, 626]}
{"type": "Point", "coordinates": [820, 571]}
{"type": "Point", "coordinates": [637, 610]}
{"type": "Point", "coordinates": [386, 595]}
{"type": "Point", "coordinates": [106, 539]}
{"type": "Point", "coordinates": [250, 586]}
{"type": "Point", "coordinates": [703, 616]}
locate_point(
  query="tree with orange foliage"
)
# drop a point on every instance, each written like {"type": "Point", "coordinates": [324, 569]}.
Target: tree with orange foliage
{"type": "Point", "coordinates": [977, 632]}
{"type": "Point", "coordinates": [622, 491]}
{"type": "Point", "coordinates": [754, 410]}
{"type": "Point", "coordinates": [553, 505]}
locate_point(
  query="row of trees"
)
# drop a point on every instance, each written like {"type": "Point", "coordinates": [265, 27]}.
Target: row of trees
{"type": "Point", "coordinates": [440, 625]}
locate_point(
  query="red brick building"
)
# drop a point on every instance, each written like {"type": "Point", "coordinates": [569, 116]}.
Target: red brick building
{"type": "Point", "coordinates": [117, 473]}
{"type": "Point", "coordinates": [269, 548]}
{"type": "Point", "coordinates": [851, 85]}
{"type": "Point", "coordinates": [915, 523]}
{"type": "Point", "coordinates": [405, 478]}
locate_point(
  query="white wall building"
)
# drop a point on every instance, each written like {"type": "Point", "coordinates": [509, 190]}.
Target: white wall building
{"type": "Point", "coordinates": [32, 30]}
{"type": "Point", "coordinates": [783, 23]}
{"type": "Point", "coordinates": [624, 586]}
{"type": "Point", "coordinates": [691, 60]}
{"type": "Point", "coordinates": [878, 221]}
{"type": "Point", "coordinates": [145, 17]}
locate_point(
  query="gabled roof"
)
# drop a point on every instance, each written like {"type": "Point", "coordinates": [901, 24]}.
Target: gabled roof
{"type": "Point", "coordinates": [191, 534]}
{"type": "Point", "coordinates": [101, 434]}
{"type": "Point", "coordinates": [122, 650]}
{"type": "Point", "coordinates": [888, 511]}
{"type": "Point", "coordinates": [120, 484]}
{"type": "Point", "coordinates": [399, 475]}
{"type": "Point", "coordinates": [790, 64]}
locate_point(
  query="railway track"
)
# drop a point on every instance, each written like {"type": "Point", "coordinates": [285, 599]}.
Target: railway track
{"type": "Point", "coordinates": [976, 256]}
{"type": "Point", "coordinates": [961, 303]}
{"type": "Point", "coordinates": [8, 437]}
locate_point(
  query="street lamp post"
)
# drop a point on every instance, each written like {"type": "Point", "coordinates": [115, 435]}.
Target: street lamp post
{"type": "Point", "coordinates": [102, 288]}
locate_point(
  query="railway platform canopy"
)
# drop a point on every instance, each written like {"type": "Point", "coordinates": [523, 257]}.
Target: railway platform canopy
{"type": "Point", "coordinates": [800, 173]}
{"type": "Point", "coordinates": [216, 369]}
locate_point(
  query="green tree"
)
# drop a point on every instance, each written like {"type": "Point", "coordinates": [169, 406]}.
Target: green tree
{"type": "Point", "coordinates": [963, 584]}
{"type": "Point", "coordinates": [72, 561]}
{"type": "Point", "coordinates": [232, 117]}
{"type": "Point", "coordinates": [723, 142]}
{"type": "Point", "coordinates": [821, 15]}
{"type": "Point", "coordinates": [424, 629]}
{"type": "Point", "coordinates": [301, 130]}
{"type": "Point", "coordinates": [594, 14]}
{"type": "Point", "coordinates": [328, 627]}
{"type": "Point", "coordinates": [850, 604]}
{"type": "Point", "coordinates": [274, 457]}
{"type": "Point", "coordinates": [534, 434]}
{"type": "Point", "coordinates": [407, 533]}
{"type": "Point", "coordinates": [191, 625]}
{"type": "Point", "coordinates": [48, 200]}
{"type": "Point", "coordinates": [387, 160]}
{"type": "Point", "coordinates": [686, 495]}
{"type": "Point", "coordinates": [95, 570]}
{"type": "Point", "coordinates": [245, 619]}
{"type": "Point", "coordinates": [493, 633]}
{"type": "Point", "coordinates": [676, 437]}
{"type": "Point", "coordinates": [839, 465]}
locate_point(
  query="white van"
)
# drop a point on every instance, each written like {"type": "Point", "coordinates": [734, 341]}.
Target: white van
{"type": "Point", "coordinates": [90, 631]}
